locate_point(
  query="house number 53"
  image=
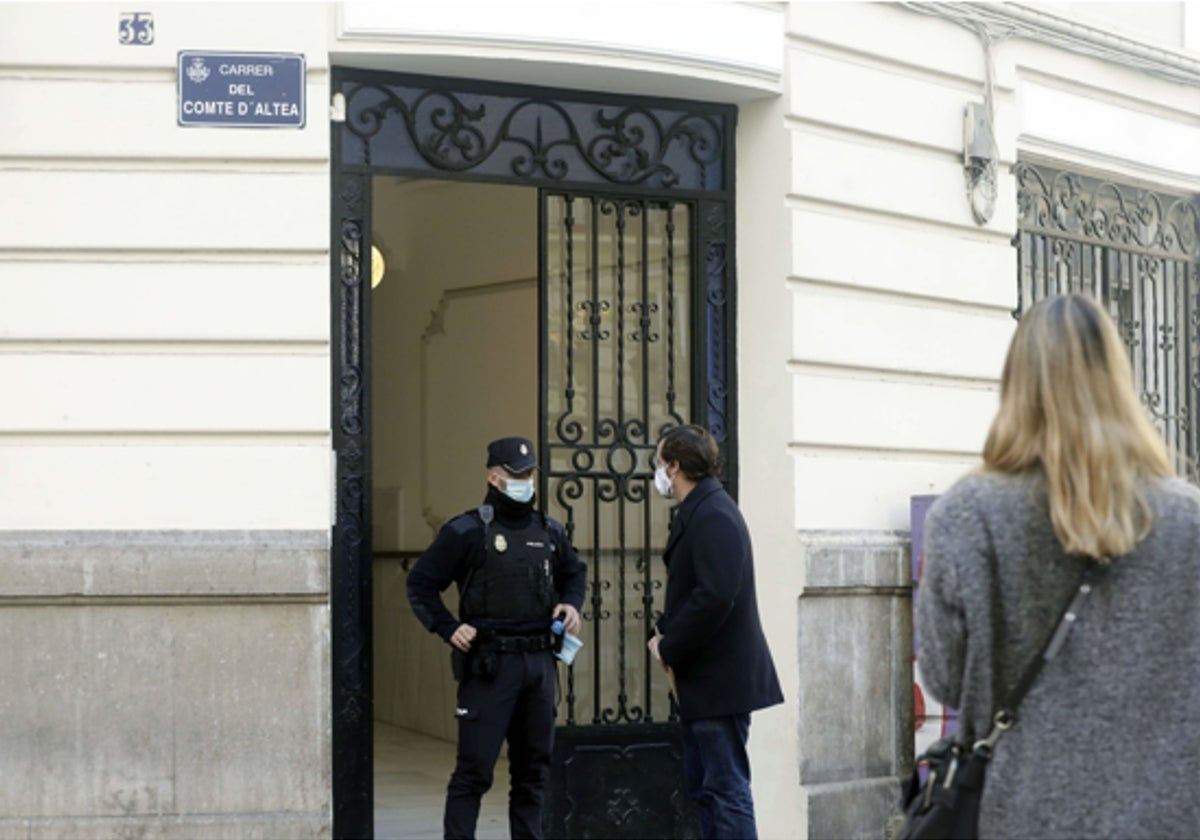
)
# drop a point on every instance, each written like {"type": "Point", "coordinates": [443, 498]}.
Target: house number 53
{"type": "Point", "coordinates": [135, 29]}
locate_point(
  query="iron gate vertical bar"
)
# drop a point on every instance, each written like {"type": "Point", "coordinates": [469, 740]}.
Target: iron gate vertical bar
{"type": "Point", "coordinates": [1140, 321]}
{"type": "Point", "coordinates": [1162, 351]}
{"type": "Point", "coordinates": [1155, 327]}
{"type": "Point", "coordinates": [713, 375]}
{"type": "Point", "coordinates": [671, 393]}
{"type": "Point", "coordinates": [1167, 295]}
{"type": "Point", "coordinates": [622, 501]}
{"type": "Point", "coordinates": [597, 598]}
{"type": "Point", "coordinates": [351, 555]}
{"type": "Point", "coordinates": [543, 356]}
{"type": "Point", "coordinates": [647, 536]}
{"type": "Point", "coordinates": [1192, 388]}
{"type": "Point", "coordinates": [569, 337]}
{"type": "Point", "coordinates": [1047, 266]}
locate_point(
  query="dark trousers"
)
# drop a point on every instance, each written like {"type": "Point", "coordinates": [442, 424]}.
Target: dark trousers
{"type": "Point", "coordinates": [717, 773]}
{"type": "Point", "coordinates": [517, 705]}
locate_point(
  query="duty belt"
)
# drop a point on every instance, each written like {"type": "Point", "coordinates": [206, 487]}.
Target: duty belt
{"type": "Point", "coordinates": [517, 644]}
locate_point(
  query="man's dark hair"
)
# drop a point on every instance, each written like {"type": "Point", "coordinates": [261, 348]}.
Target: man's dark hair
{"type": "Point", "coordinates": [695, 450]}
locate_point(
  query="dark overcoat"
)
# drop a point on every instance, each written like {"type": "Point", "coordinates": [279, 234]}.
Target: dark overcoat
{"type": "Point", "coordinates": [711, 633]}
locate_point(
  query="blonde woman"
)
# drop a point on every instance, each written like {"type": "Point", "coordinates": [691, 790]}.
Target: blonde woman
{"type": "Point", "coordinates": [1107, 742]}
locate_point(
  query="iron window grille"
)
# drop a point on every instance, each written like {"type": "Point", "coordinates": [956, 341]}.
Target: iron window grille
{"type": "Point", "coordinates": [1136, 250]}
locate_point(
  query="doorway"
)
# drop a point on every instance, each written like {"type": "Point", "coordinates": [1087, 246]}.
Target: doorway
{"type": "Point", "coordinates": [632, 330]}
{"type": "Point", "coordinates": [454, 352]}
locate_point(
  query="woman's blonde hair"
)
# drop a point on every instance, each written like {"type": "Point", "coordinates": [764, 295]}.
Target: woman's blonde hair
{"type": "Point", "coordinates": [1068, 405]}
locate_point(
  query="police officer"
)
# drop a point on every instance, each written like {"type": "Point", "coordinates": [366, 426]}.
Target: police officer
{"type": "Point", "coordinates": [516, 571]}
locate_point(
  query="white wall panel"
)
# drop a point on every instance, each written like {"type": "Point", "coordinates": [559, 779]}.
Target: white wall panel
{"type": "Point", "coordinates": [908, 105]}
{"type": "Point", "coordinates": [136, 117]}
{"type": "Point", "coordinates": [891, 33]}
{"type": "Point", "coordinates": [164, 210]}
{"type": "Point", "coordinates": [1077, 121]}
{"type": "Point", "coordinates": [838, 247]}
{"type": "Point", "coordinates": [1155, 23]}
{"type": "Point", "coordinates": [164, 487]}
{"type": "Point", "coordinates": [740, 39]}
{"type": "Point", "coordinates": [890, 179]}
{"type": "Point", "coordinates": [156, 301]}
{"type": "Point", "coordinates": [66, 391]}
{"type": "Point", "coordinates": [85, 34]}
{"type": "Point", "coordinates": [850, 329]}
{"type": "Point", "coordinates": [880, 414]}
{"type": "Point", "coordinates": [848, 491]}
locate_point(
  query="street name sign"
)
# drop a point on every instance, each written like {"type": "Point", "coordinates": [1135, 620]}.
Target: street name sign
{"type": "Point", "coordinates": [241, 89]}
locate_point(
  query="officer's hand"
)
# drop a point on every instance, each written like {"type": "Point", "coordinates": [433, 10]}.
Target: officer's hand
{"type": "Point", "coordinates": [571, 624]}
{"type": "Point", "coordinates": [463, 636]}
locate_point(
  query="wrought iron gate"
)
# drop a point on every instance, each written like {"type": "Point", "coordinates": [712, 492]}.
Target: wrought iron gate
{"type": "Point", "coordinates": [616, 347]}
{"type": "Point", "coordinates": [636, 256]}
{"type": "Point", "coordinates": [1135, 250]}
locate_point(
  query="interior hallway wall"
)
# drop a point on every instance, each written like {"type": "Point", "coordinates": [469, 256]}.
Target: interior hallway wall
{"type": "Point", "coordinates": [454, 343]}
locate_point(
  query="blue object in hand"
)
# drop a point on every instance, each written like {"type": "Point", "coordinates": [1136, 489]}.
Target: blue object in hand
{"type": "Point", "coordinates": [556, 630]}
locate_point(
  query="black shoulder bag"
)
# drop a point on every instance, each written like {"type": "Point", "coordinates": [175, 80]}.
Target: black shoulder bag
{"type": "Point", "coordinates": [947, 805]}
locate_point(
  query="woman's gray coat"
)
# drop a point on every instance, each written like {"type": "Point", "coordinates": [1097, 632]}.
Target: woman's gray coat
{"type": "Point", "coordinates": [1108, 738]}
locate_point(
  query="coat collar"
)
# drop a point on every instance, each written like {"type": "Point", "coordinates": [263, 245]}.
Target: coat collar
{"type": "Point", "coordinates": [685, 509]}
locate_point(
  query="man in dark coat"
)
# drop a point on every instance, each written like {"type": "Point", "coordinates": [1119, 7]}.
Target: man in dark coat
{"type": "Point", "coordinates": [709, 638]}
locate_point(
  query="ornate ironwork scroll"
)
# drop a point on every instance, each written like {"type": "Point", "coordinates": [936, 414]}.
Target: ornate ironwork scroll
{"type": "Point", "coordinates": [350, 580]}
{"type": "Point", "coordinates": [1137, 251]}
{"type": "Point", "coordinates": [537, 136]}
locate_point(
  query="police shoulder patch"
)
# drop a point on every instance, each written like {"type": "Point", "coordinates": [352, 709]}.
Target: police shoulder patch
{"type": "Point", "coordinates": [463, 523]}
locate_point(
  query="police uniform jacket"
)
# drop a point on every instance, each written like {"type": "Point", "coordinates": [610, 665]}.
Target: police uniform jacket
{"type": "Point", "coordinates": [459, 545]}
{"type": "Point", "coordinates": [712, 637]}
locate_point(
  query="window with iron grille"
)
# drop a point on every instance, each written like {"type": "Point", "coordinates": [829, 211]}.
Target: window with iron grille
{"type": "Point", "coordinates": [1136, 250]}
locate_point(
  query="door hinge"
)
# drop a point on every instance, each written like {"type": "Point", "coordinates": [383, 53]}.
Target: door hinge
{"type": "Point", "coordinates": [337, 108]}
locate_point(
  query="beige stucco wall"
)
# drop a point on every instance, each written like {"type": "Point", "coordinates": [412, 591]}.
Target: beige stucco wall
{"type": "Point", "coordinates": [164, 447]}
{"type": "Point", "coordinates": [165, 320]}
{"type": "Point", "coordinates": [900, 316]}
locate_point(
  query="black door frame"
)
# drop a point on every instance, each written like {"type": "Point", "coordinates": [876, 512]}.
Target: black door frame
{"type": "Point", "coordinates": [491, 132]}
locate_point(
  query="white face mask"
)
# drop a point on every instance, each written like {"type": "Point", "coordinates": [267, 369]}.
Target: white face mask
{"type": "Point", "coordinates": [662, 482]}
{"type": "Point", "coordinates": [519, 489]}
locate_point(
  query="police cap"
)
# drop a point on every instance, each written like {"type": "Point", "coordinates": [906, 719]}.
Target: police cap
{"type": "Point", "coordinates": [515, 454]}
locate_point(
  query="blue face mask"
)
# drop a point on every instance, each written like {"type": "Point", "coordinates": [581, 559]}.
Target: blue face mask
{"type": "Point", "coordinates": [520, 490]}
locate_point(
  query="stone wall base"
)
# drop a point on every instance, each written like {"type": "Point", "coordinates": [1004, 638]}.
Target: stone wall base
{"type": "Point", "coordinates": [856, 735]}
{"type": "Point", "coordinates": [211, 827]}
{"type": "Point", "coordinates": [166, 684]}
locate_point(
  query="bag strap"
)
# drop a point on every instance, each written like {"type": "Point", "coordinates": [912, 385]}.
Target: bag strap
{"type": "Point", "coordinates": [1006, 716]}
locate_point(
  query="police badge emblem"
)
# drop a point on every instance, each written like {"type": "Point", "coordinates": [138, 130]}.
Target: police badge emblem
{"type": "Point", "coordinates": [524, 449]}
{"type": "Point", "coordinates": [501, 543]}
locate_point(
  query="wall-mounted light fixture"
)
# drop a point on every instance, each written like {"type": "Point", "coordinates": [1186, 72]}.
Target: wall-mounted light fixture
{"type": "Point", "coordinates": [979, 161]}
{"type": "Point", "coordinates": [378, 266]}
